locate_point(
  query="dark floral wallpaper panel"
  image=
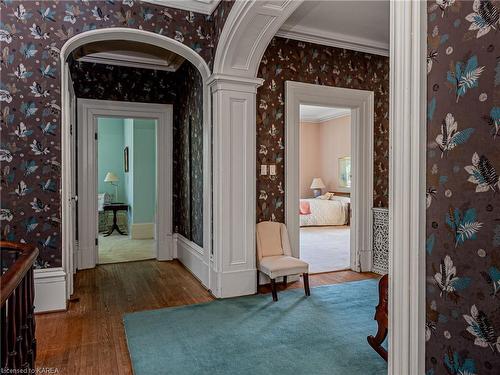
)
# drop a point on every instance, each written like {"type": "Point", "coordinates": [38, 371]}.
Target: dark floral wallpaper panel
{"type": "Point", "coordinates": [31, 36]}
{"type": "Point", "coordinates": [463, 188]}
{"type": "Point", "coordinates": [291, 60]}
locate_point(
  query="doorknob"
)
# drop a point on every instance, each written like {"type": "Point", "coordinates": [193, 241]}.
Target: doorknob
{"type": "Point", "coordinates": [74, 198]}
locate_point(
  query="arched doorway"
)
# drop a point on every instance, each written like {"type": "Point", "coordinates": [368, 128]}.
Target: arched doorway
{"type": "Point", "coordinates": [198, 258]}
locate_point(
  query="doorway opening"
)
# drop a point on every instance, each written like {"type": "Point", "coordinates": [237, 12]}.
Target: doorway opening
{"type": "Point", "coordinates": [126, 194]}
{"type": "Point", "coordinates": [124, 173]}
{"type": "Point", "coordinates": [325, 179]}
{"type": "Point", "coordinates": [352, 190]}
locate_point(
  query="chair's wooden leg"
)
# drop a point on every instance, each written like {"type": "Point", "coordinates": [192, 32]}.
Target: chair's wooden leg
{"type": "Point", "coordinates": [273, 290]}
{"type": "Point", "coordinates": [284, 280]}
{"type": "Point", "coordinates": [257, 290]}
{"type": "Point", "coordinates": [306, 284]}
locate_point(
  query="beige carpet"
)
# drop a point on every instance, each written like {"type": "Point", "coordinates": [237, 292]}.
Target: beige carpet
{"type": "Point", "coordinates": [117, 248]}
{"type": "Point", "coordinates": [325, 248]}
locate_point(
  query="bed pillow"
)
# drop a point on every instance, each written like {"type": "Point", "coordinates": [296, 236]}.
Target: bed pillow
{"type": "Point", "coordinates": [304, 208]}
{"type": "Point", "coordinates": [326, 196]}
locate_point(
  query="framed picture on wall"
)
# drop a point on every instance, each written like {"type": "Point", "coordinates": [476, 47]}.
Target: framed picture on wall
{"type": "Point", "coordinates": [125, 159]}
{"type": "Point", "coordinates": [345, 172]}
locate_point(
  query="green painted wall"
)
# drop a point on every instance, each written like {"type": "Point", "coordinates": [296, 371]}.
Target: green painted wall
{"type": "Point", "coordinates": [140, 181]}
{"type": "Point", "coordinates": [110, 155]}
{"type": "Point", "coordinates": [144, 170]}
{"type": "Point", "coordinates": [137, 188]}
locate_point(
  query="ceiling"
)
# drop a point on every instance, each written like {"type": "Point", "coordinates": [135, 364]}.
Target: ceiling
{"type": "Point", "coordinates": [313, 113]}
{"type": "Point", "coordinates": [129, 53]}
{"type": "Point", "coordinates": [359, 25]}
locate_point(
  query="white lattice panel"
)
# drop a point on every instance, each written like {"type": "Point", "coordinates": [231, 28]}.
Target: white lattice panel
{"type": "Point", "coordinates": [381, 240]}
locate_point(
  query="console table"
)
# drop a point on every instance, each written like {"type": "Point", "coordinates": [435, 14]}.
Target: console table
{"type": "Point", "coordinates": [115, 207]}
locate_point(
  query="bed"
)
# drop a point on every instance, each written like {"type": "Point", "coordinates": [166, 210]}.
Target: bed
{"type": "Point", "coordinates": [321, 211]}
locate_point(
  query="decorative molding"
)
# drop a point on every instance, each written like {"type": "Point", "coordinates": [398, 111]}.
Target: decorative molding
{"type": "Point", "coordinates": [338, 40]}
{"type": "Point", "coordinates": [311, 120]}
{"type": "Point", "coordinates": [380, 241]}
{"type": "Point", "coordinates": [249, 28]}
{"type": "Point", "coordinates": [407, 166]}
{"type": "Point", "coordinates": [362, 117]}
{"type": "Point", "coordinates": [111, 58]}
{"type": "Point", "coordinates": [218, 82]}
{"type": "Point", "coordinates": [142, 231]}
{"type": "Point", "coordinates": [192, 257]}
{"type": "Point", "coordinates": [136, 35]}
{"type": "Point", "coordinates": [199, 6]}
{"type": "Point", "coordinates": [50, 289]}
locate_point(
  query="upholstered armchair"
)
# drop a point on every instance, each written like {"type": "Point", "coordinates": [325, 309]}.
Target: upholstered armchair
{"type": "Point", "coordinates": [274, 256]}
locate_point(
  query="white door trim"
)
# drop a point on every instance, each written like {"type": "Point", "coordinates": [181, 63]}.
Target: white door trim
{"type": "Point", "coordinates": [362, 116]}
{"type": "Point", "coordinates": [407, 176]}
{"type": "Point", "coordinates": [89, 110]}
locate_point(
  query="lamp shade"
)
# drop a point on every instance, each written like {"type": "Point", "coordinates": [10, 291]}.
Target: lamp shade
{"type": "Point", "coordinates": [317, 183]}
{"type": "Point", "coordinates": [111, 177]}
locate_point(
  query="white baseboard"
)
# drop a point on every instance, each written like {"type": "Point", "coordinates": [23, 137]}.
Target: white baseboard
{"type": "Point", "coordinates": [50, 289]}
{"type": "Point", "coordinates": [192, 257]}
{"type": "Point", "coordinates": [142, 231]}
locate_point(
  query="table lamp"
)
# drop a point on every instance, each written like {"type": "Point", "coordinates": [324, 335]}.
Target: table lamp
{"type": "Point", "coordinates": [113, 179]}
{"type": "Point", "coordinates": [316, 186]}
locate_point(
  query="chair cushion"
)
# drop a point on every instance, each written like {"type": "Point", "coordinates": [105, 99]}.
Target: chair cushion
{"type": "Point", "coordinates": [282, 265]}
{"type": "Point", "coordinates": [269, 239]}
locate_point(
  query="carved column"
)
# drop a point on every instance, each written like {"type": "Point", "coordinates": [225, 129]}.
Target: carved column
{"type": "Point", "coordinates": [232, 269]}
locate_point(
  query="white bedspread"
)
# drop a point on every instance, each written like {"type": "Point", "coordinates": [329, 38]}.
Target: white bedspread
{"type": "Point", "coordinates": [326, 212]}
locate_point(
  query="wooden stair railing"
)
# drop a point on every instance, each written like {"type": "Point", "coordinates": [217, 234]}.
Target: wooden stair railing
{"type": "Point", "coordinates": [381, 316]}
{"type": "Point", "coordinates": [17, 294]}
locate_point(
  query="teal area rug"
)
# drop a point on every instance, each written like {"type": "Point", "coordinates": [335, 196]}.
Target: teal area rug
{"type": "Point", "coordinates": [322, 334]}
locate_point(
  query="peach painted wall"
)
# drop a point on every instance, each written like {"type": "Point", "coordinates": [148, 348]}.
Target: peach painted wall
{"type": "Point", "coordinates": [335, 138]}
{"type": "Point", "coordinates": [309, 157]}
{"type": "Point", "coordinates": [321, 145]}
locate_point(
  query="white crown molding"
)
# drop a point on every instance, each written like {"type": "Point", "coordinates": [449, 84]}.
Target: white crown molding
{"type": "Point", "coordinates": [199, 6]}
{"type": "Point", "coordinates": [339, 40]}
{"type": "Point", "coordinates": [319, 120]}
{"type": "Point", "coordinates": [110, 58]}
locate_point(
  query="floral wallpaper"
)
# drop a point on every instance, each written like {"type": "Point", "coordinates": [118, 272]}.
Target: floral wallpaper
{"type": "Point", "coordinates": [188, 154]}
{"type": "Point", "coordinates": [293, 60]}
{"type": "Point", "coordinates": [113, 82]}
{"type": "Point", "coordinates": [463, 163]}
{"type": "Point", "coordinates": [31, 35]}
{"type": "Point", "coordinates": [219, 17]}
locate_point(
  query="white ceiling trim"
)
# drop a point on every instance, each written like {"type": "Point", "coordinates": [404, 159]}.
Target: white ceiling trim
{"type": "Point", "coordinates": [199, 6]}
{"type": "Point", "coordinates": [316, 120]}
{"type": "Point", "coordinates": [110, 58]}
{"type": "Point", "coordinates": [332, 39]}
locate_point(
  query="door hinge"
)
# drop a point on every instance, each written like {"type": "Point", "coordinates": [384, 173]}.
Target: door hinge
{"type": "Point", "coordinates": [71, 129]}
{"type": "Point", "coordinates": [95, 134]}
{"type": "Point", "coordinates": [97, 242]}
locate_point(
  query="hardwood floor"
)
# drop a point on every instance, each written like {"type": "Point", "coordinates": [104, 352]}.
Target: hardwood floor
{"type": "Point", "coordinates": [89, 338]}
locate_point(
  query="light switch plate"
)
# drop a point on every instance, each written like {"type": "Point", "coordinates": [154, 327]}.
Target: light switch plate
{"type": "Point", "coordinates": [263, 170]}
{"type": "Point", "coordinates": [272, 169]}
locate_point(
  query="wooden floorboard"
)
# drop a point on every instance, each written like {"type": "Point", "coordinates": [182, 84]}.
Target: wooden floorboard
{"type": "Point", "coordinates": [89, 338]}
